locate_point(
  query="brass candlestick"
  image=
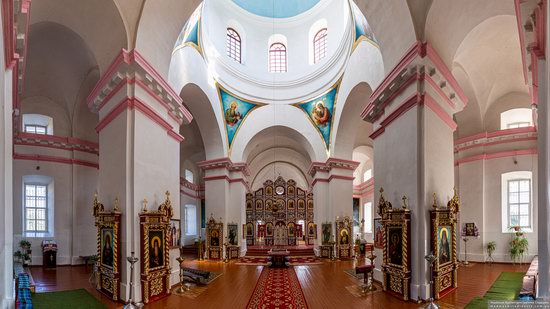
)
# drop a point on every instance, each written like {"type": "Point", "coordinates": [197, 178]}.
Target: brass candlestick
{"type": "Point", "coordinates": [226, 249]}
{"type": "Point", "coordinates": [181, 289]}
{"type": "Point", "coordinates": [371, 286]}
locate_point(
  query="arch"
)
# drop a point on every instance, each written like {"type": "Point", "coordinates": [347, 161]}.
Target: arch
{"type": "Point", "coordinates": [72, 72]}
{"type": "Point", "coordinates": [198, 103]}
{"type": "Point", "coordinates": [105, 40]}
{"type": "Point", "coordinates": [274, 123]}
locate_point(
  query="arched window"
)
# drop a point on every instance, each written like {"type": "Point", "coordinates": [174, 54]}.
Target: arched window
{"type": "Point", "coordinates": [233, 45]}
{"type": "Point", "coordinates": [320, 45]}
{"type": "Point", "coordinates": [516, 118]}
{"type": "Point", "coordinates": [277, 58]}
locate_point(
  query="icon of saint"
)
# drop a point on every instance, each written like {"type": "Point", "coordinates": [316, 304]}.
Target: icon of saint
{"type": "Point", "coordinates": [320, 114]}
{"type": "Point", "coordinates": [107, 256]}
{"type": "Point", "coordinates": [232, 116]}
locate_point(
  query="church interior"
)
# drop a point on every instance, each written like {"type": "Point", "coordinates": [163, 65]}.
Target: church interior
{"type": "Point", "coordinates": [274, 154]}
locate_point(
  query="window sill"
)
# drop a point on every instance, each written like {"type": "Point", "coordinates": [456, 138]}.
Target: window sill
{"type": "Point", "coordinates": [526, 231]}
{"type": "Point", "coordinates": [37, 235]}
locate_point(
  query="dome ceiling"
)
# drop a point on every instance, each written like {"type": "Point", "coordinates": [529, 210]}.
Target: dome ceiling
{"type": "Point", "coordinates": [276, 8]}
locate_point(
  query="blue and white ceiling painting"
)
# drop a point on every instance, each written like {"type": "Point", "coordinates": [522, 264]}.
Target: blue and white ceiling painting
{"type": "Point", "coordinates": [362, 27]}
{"type": "Point", "coordinates": [276, 8]}
{"type": "Point", "coordinates": [320, 112]}
{"type": "Point", "coordinates": [235, 110]}
{"type": "Point", "coordinates": [190, 35]}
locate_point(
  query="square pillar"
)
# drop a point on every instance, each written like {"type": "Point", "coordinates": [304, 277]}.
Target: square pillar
{"type": "Point", "coordinates": [139, 156]}
{"type": "Point", "coordinates": [412, 114]}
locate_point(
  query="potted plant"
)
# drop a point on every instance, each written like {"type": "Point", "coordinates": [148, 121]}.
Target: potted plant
{"type": "Point", "coordinates": [519, 245]}
{"type": "Point", "coordinates": [491, 247]}
{"type": "Point", "coordinates": [25, 251]}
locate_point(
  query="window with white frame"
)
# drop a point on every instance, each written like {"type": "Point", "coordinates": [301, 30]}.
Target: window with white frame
{"type": "Point", "coordinates": [36, 208]}
{"type": "Point", "coordinates": [367, 216]}
{"type": "Point", "coordinates": [189, 176]}
{"type": "Point", "coordinates": [516, 118]}
{"type": "Point", "coordinates": [367, 175]}
{"type": "Point", "coordinates": [517, 201]}
{"type": "Point", "coordinates": [233, 44]}
{"type": "Point", "coordinates": [190, 220]}
{"type": "Point", "coordinates": [277, 58]}
{"type": "Point", "coordinates": [320, 45]}
{"type": "Point", "coordinates": [37, 124]}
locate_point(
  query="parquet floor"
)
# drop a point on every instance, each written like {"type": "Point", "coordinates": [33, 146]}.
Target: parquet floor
{"type": "Point", "coordinates": [324, 286]}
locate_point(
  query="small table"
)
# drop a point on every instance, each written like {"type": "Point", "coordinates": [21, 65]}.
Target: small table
{"type": "Point", "coordinates": [278, 257]}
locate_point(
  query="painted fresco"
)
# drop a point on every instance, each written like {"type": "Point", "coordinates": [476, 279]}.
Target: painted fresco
{"type": "Point", "coordinates": [362, 27]}
{"type": "Point", "coordinates": [234, 112]}
{"type": "Point", "coordinates": [189, 36]}
{"type": "Point", "coordinates": [321, 113]}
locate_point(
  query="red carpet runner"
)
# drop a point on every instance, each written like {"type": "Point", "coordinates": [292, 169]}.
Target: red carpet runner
{"type": "Point", "coordinates": [277, 288]}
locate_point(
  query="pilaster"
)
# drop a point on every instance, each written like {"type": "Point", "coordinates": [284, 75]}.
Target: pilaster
{"type": "Point", "coordinates": [139, 146]}
{"type": "Point", "coordinates": [412, 112]}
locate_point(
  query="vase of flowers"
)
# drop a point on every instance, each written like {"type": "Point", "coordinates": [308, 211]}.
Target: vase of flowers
{"type": "Point", "coordinates": [491, 247]}
{"type": "Point", "coordinates": [519, 245]}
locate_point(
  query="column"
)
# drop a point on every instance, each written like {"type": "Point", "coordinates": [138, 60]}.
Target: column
{"type": "Point", "coordinates": [225, 192]}
{"type": "Point", "coordinates": [139, 119]}
{"type": "Point", "coordinates": [412, 113]}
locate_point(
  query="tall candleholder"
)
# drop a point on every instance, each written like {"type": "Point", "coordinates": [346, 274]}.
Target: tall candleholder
{"type": "Point", "coordinates": [131, 304]}
{"type": "Point", "coordinates": [332, 244]}
{"type": "Point", "coordinates": [181, 289]}
{"type": "Point", "coordinates": [201, 246]}
{"type": "Point", "coordinates": [226, 250]}
{"type": "Point", "coordinates": [371, 287]}
{"type": "Point", "coordinates": [430, 258]}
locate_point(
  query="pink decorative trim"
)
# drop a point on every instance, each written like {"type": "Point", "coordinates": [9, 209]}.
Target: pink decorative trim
{"type": "Point", "coordinates": [411, 53]}
{"type": "Point", "coordinates": [332, 163]}
{"type": "Point", "coordinates": [130, 58]}
{"type": "Point", "coordinates": [8, 26]}
{"type": "Point", "coordinates": [225, 163]}
{"type": "Point", "coordinates": [437, 89]}
{"type": "Point", "coordinates": [125, 81]}
{"type": "Point", "coordinates": [229, 180]}
{"type": "Point", "coordinates": [58, 142]}
{"type": "Point", "coordinates": [364, 185]}
{"type": "Point", "coordinates": [18, 156]}
{"type": "Point", "coordinates": [438, 110]}
{"type": "Point", "coordinates": [330, 178]}
{"type": "Point", "coordinates": [517, 4]}
{"type": "Point", "coordinates": [496, 155]}
{"type": "Point", "coordinates": [441, 67]}
{"type": "Point", "coordinates": [131, 103]}
{"type": "Point", "coordinates": [418, 50]}
{"type": "Point", "coordinates": [415, 100]}
{"type": "Point", "coordinates": [191, 195]}
{"type": "Point", "coordinates": [506, 136]}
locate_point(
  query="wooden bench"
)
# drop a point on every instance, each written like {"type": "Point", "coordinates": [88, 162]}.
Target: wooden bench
{"type": "Point", "coordinates": [196, 275]}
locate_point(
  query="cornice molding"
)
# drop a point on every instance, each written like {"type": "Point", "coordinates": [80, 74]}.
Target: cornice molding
{"type": "Point", "coordinates": [419, 64]}
{"type": "Point", "coordinates": [496, 155]}
{"type": "Point", "coordinates": [131, 68]}
{"type": "Point", "coordinates": [331, 163]}
{"type": "Point", "coordinates": [54, 159]}
{"type": "Point", "coordinates": [54, 141]}
{"type": "Point", "coordinates": [494, 138]}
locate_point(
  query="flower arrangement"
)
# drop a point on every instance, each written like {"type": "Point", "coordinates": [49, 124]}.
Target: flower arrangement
{"type": "Point", "coordinates": [491, 247]}
{"type": "Point", "coordinates": [519, 245]}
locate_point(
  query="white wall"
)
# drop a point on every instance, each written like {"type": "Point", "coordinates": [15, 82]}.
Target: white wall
{"type": "Point", "coordinates": [480, 193]}
{"type": "Point", "coordinates": [74, 229]}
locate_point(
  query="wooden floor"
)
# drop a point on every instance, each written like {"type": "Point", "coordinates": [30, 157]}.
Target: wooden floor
{"type": "Point", "coordinates": [324, 286]}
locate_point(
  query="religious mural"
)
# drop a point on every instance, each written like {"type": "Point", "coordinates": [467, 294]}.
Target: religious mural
{"type": "Point", "coordinates": [395, 248]}
{"type": "Point", "coordinates": [327, 231]}
{"type": "Point", "coordinates": [362, 28]}
{"type": "Point", "coordinates": [320, 112]}
{"type": "Point", "coordinates": [234, 111]}
{"type": "Point", "coordinates": [378, 233]}
{"type": "Point", "coordinates": [232, 234]}
{"type": "Point", "coordinates": [190, 35]}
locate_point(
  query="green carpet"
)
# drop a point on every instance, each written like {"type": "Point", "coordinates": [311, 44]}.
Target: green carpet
{"type": "Point", "coordinates": [75, 299]}
{"type": "Point", "coordinates": [506, 287]}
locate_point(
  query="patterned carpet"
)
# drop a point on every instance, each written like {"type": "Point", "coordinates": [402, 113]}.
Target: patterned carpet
{"type": "Point", "coordinates": [292, 261]}
{"type": "Point", "coordinates": [277, 288]}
